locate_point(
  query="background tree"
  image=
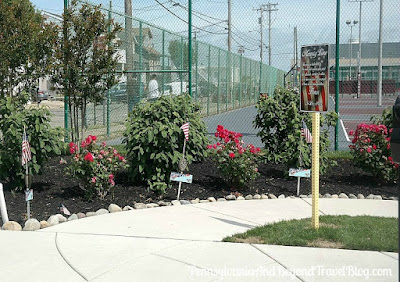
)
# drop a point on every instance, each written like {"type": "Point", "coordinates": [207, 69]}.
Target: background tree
{"type": "Point", "coordinates": [86, 60]}
{"type": "Point", "coordinates": [26, 46]}
{"type": "Point", "coordinates": [175, 49]}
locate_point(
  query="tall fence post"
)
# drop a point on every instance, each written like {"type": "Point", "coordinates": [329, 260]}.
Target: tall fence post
{"type": "Point", "coordinates": [163, 62]}
{"type": "Point", "coordinates": [337, 73]}
{"type": "Point", "coordinates": [240, 81]}
{"type": "Point", "coordinates": [108, 92]}
{"type": "Point", "coordinates": [197, 70]}
{"type": "Point", "coordinates": [219, 79]}
{"type": "Point", "coordinates": [66, 108]}
{"type": "Point", "coordinates": [208, 79]}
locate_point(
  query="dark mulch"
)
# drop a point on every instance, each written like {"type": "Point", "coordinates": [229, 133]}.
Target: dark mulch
{"type": "Point", "coordinates": [55, 187]}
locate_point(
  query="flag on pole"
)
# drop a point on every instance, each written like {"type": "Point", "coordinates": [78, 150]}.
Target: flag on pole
{"type": "Point", "coordinates": [64, 210]}
{"type": "Point", "coordinates": [185, 129]}
{"type": "Point", "coordinates": [306, 133]}
{"type": "Point", "coordinates": [26, 149]}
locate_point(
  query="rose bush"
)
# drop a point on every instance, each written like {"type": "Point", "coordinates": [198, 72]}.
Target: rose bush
{"type": "Point", "coordinates": [236, 161]}
{"type": "Point", "coordinates": [95, 166]}
{"type": "Point", "coordinates": [371, 151]}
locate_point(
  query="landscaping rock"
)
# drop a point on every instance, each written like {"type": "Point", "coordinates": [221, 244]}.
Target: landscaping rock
{"type": "Point", "coordinates": [257, 197]}
{"type": "Point", "coordinates": [272, 196]}
{"type": "Point", "coordinates": [352, 196]}
{"type": "Point", "coordinates": [343, 196]}
{"type": "Point", "coordinates": [211, 199]}
{"type": "Point", "coordinates": [377, 197]}
{"type": "Point", "coordinates": [127, 208]}
{"type": "Point", "coordinates": [114, 208]}
{"type": "Point", "coordinates": [12, 226]}
{"type": "Point", "coordinates": [139, 206]}
{"type": "Point", "coordinates": [281, 196]}
{"type": "Point", "coordinates": [230, 197]}
{"type": "Point", "coordinates": [393, 198]}
{"type": "Point", "coordinates": [61, 218]}
{"type": "Point", "coordinates": [152, 205]}
{"type": "Point", "coordinates": [303, 196]}
{"type": "Point", "coordinates": [249, 197]}
{"type": "Point", "coordinates": [221, 200]}
{"type": "Point", "coordinates": [204, 201]}
{"type": "Point", "coordinates": [309, 196]}
{"type": "Point", "coordinates": [335, 196]}
{"type": "Point", "coordinates": [81, 215]}
{"type": "Point", "coordinates": [101, 211]}
{"type": "Point", "coordinates": [370, 196]}
{"type": "Point", "coordinates": [184, 202]}
{"type": "Point", "coordinates": [240, 198]}
{"type": "Point", "coordinates": [44, 224]}
{"type": "Point", "coordinates": [88, 214]}
{"type": "Point", "coordinates": [264, 197]}
{"type": "Point", "coordinates": [73, 216]}
{"type": "Point", "coordinates": [195, 201]}
{"type": "Point", "coordinates": [327, 195]}
{"type": "Point", "coordinates": [360, 196]}
{"type": "Point", "coordinates": [175, 203]}
{"type": "Point", "coordinates": [163, 204]}
{"type": "Point", "coordinates": [53, 220]}
{"type": "Point", "coordinates": [32, 225]}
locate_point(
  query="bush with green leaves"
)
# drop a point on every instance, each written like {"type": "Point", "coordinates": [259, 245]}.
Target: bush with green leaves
{"type": "Point", "coordinates": [371, 151]}
{"type": "Point", "coordinates": [280, 121]}
{"type": "Point", "coordinates": [235, 160]}
{"type": "Point", "coordinates": [386, 118]}
{"type": "Point", "coordinates": [154, 139]}
{"type": "Point", "coordinates": [95, 166]}
{"type": "Point", "coordinates": [44, 141]}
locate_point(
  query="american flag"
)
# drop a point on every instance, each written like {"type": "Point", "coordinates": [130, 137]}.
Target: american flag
{"type": "Point", "coordinates": [185, 129]}
{"type": "Point", "coordinates": [306, 133]}
{"type": "Point", "coordinates": [26, 150]}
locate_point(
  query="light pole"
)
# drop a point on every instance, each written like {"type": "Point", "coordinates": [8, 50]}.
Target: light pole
{"type": "Point", "coordinates": [351, 24]}
{"type": "Point", "coordinates": [359, 48]}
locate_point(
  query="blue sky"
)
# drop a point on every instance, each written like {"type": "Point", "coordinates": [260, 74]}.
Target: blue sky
{"type": "Point", "coordinates": [315, 21]}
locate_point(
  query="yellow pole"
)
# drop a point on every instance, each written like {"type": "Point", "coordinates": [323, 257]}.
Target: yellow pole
{"type": "Point", "coordinates": [315, 169]}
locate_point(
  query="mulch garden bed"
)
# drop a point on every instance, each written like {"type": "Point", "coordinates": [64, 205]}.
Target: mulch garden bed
{"type": "Point", "coordinates": [54, 187]}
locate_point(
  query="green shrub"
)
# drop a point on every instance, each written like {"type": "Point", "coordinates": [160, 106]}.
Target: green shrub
{"type": "Point", "coordinates": [386, 118]}
{"type": "Point", "coordinates": [95, 166]}
{"type": "Point", "coordinates": [154, 140]}
{"type": "Point", "coordinates": [280, 120]}
{"type": "Point", "coordinates": [236, 161]}
{"type": "Point", "coordinates": [44, 141]}
{"type": "Point", "coordinates": [371, 151]}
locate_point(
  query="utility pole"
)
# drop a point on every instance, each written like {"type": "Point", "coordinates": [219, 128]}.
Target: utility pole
{"type": "Point", "coordinates": [229, 69]}
{"type": "Point", "coordinates": [129, 55]}
{"type": "Point", "coordinates": [260, 21]}
{"type": "Point", "coordinates": [229, 26]}
{"type": "Point", "coordinates": [270, 8]}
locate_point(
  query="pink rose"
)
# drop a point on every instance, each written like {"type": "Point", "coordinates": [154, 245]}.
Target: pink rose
{"type": "Point", "coordinates": [231, 155]}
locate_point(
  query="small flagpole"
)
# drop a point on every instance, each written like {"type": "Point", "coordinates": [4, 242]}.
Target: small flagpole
{"type": "Point", "coordinates": [180, 183]}
{"type": "Point", "coordinates": [28, 203]}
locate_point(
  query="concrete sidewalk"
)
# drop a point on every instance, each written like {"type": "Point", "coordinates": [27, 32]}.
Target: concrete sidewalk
{"type": "Point", "coordinates": [183, 243]}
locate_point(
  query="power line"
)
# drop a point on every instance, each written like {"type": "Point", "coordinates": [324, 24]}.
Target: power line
{"type": "Point", "coordinates": [186, 21]}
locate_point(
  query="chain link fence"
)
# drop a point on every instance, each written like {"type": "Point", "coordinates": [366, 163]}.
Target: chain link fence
{"type": "Point", "coordinates": [223, 81]}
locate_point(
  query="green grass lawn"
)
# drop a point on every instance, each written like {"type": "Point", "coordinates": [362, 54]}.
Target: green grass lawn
{"type": "Point", "coordinates": [341, 232]}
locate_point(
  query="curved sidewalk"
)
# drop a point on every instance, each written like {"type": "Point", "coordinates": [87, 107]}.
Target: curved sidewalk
{"type": "Point", "coordinates": [183, 243]}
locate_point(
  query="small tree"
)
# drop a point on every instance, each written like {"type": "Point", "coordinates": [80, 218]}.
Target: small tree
{"type": "Point", "coordinates": [26, 46]}
{"type": "Point", "coordinates": [179, 51]}
{"type": "Point", "coordinates": [280, 122]}
{"type": "Point", "coordinates": [86, 60]}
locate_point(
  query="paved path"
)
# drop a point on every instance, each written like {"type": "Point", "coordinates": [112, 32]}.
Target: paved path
{"type": "Point", "coordinates": [183, 243]}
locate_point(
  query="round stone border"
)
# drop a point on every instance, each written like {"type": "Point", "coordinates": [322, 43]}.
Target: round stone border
{"type": "Point", "coordinates": [33, 224]}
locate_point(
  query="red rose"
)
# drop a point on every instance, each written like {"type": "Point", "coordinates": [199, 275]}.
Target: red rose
{"type": "Point", "coordinates": [89, 157]}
